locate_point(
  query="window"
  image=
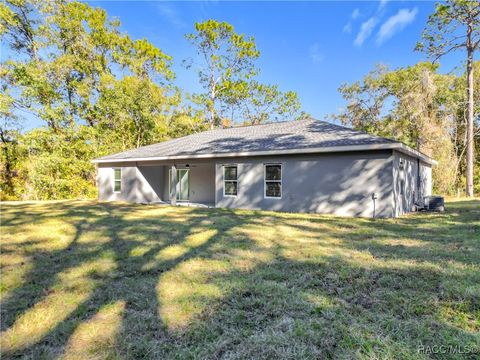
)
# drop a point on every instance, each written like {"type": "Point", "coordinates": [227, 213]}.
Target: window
{"type": "Point", "coordinates": [273, 180]}
{"type": "Point", "coordinates": [117, 180]}
{"type": "Point", "coordinates": [230, 180]}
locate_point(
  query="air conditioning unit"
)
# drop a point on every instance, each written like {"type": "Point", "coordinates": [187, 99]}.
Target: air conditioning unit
{"type": "Point", "coordinates": [434, 203]}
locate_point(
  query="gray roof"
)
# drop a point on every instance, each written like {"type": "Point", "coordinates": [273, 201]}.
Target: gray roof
{"type": "Point", "coordinates": [292, 136]}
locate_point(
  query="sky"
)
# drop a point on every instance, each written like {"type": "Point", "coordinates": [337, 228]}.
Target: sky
{"type": "Point", "coordinates": [308, 47]}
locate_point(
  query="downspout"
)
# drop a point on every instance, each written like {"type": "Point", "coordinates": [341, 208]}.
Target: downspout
{"type": "Point", "coordinates": [394, 184]}
{"type": "Point", "coordinates": [418, 181]}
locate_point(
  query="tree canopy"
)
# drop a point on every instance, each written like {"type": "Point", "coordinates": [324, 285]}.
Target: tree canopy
{"type": "Point", "coordinates": [226, 70]}
{"type": "Point", "coordinates": [455, 25]}
{"type": "Point", "coordinates": [420, 107]}
{"type": "Point", "coordinates": [99, 91]}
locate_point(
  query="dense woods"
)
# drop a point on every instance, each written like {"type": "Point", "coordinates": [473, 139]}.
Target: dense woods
{"type": "Point", "coordinates": [437, 114]}
{"type": "Point", "coordinates": [422, 108]}
{"type": "Point", "coordinates": [98, 91]}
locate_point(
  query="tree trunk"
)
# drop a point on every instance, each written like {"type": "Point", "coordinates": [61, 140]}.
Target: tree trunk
{"type": "Point", "coordinates": [212, 115]}
{"type": "Point", "coordinates": [8, 167]}
{"type": "Point", "coordinates": [212, 106]}
{"type": "Point", "coordinates": [212, 95]}
{"type": "Point", "coordinates": [469, 172]}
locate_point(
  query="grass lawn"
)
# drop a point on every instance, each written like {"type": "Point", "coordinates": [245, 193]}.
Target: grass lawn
{"type": "Point", "coordinates": [111, 280]}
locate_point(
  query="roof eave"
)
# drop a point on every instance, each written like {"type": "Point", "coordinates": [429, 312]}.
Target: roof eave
{"type": "Point", "coordinates": [415, 153]}
{"type": "Point", "coordinates": [390, 146]}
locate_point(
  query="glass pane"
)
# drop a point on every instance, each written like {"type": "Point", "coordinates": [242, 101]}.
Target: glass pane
{"type": "Point", "coordinates": [170, 184]}
{"type": "Point", "coordinates": [273, 189]}
{"type": "Point", "coordinates": [117, 174]}
{"type": "Point", "coordinates": [184, 185]}
{"type": "Point", "coordinates": [117, 186]}
{"type": "Point", "coordinates": [273, 172]}
{"type": "Point", "coordinates": [230, 188]}
{"type": "Point", "coordinates": [230, 173]}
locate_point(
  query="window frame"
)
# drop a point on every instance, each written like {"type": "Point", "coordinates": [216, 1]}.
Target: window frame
{"type": "Point", "coordinates": [224, 180]}
{"type": "Point", "coordinates": [265, 196]}
{"type": "Point", "coordinates": [115, 180]}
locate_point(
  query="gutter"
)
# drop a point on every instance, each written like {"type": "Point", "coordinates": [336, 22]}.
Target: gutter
{"type": "Point", "coordinates": [415, 153]}
{"type": "Point", "coordinates": [392, 146]}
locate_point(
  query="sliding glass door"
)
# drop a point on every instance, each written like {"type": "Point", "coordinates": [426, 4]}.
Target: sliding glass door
{"type": "Point", "coordinates": [183, 184]}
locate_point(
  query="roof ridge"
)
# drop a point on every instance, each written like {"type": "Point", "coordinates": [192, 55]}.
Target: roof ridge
{"type": "Point", "coordinates": [264, 124]}
{"type": "Point", "coordinates": [292, 121]}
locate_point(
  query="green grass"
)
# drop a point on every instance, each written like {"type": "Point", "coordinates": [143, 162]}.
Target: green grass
{"type": "Point", "coordinates": [102, 280]}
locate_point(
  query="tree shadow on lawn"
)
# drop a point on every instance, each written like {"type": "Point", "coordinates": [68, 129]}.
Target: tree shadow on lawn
{"type": "Point", "coordinates": [451, 236]}
{"type": "Point", "coordinates": [131, 278]}
{"type": "Point", "coordinates": [192, 283]}
{"type": "Point", "coordinates": [327, 309]}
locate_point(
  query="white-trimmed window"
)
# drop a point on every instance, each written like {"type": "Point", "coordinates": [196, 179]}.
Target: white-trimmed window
{"type": "Point", "coordinates": [273, 180]}
{"type": "Point", "coordinates": [117, 180]}
{"type": "Point", "coordinates": [230, 180]}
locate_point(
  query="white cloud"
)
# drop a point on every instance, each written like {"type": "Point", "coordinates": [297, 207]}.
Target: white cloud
{"type": "Point", "coordinates": [396, 23]}
{"type": "Point", "coordinates": [355, 14]}
{"type": "Point", "coordinates": [365, 31]}
{"type": "Point", "coordinates": [315, 54]}
{"type": "Point", "coordinates": [169, 13]}
{"type": "Point", "coordinates": [348, 26]}
{"type": "Point", "coordinates": [382, 4]}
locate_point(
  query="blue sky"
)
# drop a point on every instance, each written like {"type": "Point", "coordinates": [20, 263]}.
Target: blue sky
{"type": "Point", "coordinates": [309, 47]}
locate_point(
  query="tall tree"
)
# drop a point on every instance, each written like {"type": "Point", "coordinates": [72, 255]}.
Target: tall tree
{"type": "Point", "coordinates": [266, 102]}
{"type": "Point", "coordinates": [415, 105]}
{"type": "Point", "coordinates": [456, 25]}
{"type": "Point", "coordinates": [227, 73]}
{"type": "Point", "coordinates": [97, 90]}
{"type": "Point", "coordinates": [133, 112]}
{"type": "Point", "coordinates": [365, 102]}
{"type": "Point", "coordinates": [8, 145]}
{"type": "Point", "coordinates": [228, 61]}
{"type": "Point", "coordinates": [66, 54]}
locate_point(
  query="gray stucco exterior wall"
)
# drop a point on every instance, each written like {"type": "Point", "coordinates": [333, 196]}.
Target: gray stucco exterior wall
{"type": "Point", "coordinates": [149, 188]}
{"type": "Point", "coordinates": [333, 183]}
{"type": "Point", "coordinates": [412, 181]}
{"type": "Point", "coordinates": [105, 177]}
{"type": "Point", "coordinates": [145, 183]}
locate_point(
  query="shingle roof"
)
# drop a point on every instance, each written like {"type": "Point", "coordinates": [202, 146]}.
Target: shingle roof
{"type": "Point", "coordinates": [298, 136]}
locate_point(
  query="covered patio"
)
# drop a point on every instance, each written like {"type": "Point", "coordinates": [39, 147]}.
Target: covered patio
{"type": "Point", "coordinates": [177, 183]}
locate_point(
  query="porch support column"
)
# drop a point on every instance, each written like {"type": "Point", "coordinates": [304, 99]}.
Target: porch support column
{"type": "Point", "coordinates": [173, 187]}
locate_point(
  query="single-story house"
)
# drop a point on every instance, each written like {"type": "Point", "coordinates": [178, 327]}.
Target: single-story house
{"type": "Point", "coordinates": [295, 166]}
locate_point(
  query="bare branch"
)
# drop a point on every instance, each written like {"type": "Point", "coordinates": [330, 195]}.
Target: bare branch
{"type": "Point", "coordinates": [445, 52]}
